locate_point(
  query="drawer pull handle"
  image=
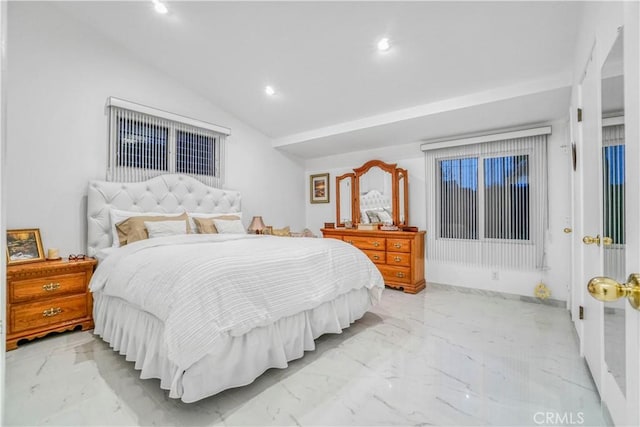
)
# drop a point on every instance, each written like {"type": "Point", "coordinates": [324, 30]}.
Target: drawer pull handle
{"type": "Point", "coordinates": [51, 287]}
{"type": "Point", "coordinates": [376, 257]}
{"type": "Point", "coordinates": [400, 274]}
{"type": "Point", "coordinates": [397, 259]}
{"type": "Point", "coordinates": [376, 244]}
{"type": "Point", "coordinates": [397, 245]}
{"type": "Point", "coordinates": [51, 312]}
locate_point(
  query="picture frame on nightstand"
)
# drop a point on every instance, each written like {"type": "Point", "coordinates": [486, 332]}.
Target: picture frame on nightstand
{"type": "Point", "coordinates": [24, 245]}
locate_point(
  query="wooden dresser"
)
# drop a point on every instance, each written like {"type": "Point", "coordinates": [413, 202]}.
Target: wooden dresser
{"type": "Point", "coordinates": [49, 296]}
{"type": "Point", "coordinates": [399, 255]}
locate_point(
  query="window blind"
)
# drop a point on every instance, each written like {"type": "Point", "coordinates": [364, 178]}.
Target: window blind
{"type": "Point", "coordinates": [488, 202]}
{"type": "Point", "coordinates": [144, 145]}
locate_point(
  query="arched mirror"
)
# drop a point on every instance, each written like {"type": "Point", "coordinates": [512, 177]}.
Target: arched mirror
{"type": "Point", "coordinates": [344, 200]}
{"type": "Point", "coordinates": [378, 193]}
{"type": "Point", "coordinates": [375, 193]}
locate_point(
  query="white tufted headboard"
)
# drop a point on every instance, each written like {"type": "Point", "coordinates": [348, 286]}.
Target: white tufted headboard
{"type": "Point", "coordinates": [374, 200]}
{"type": "Point", "coordinates": [165, 193]}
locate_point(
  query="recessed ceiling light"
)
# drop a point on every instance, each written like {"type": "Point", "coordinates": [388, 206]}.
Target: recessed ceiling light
{"type": "Point", "coordinates": [269, 90]}
{"type": "Point", "coordinates": [383, 45]}
{"type": "Point", "coordinates": [160, 7]}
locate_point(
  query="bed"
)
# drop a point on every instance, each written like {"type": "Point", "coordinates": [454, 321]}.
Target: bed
{"type": "Point", "coordinates": [208, 312]}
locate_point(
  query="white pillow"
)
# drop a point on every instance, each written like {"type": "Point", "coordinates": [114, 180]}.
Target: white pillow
{"type": "Point", "coordinates": [118, 216]}
{"type": "Point", "coordinates": [165, 228]}
{"type": "Point", "coordinates": [225, 226]}
{"type": "Point", "coordinates": [384, 216]}
{"type": "Point", "coordinates": [364, 218]}
{"type": "Point", "coordinates": [194, 228]}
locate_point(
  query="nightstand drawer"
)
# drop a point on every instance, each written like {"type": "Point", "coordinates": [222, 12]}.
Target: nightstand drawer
{"type": "Point", "coordinates": [51, 312]}
{"type": "Point", "coordinates": [376, 256]}
{"type": "Point", "coordinates": [399, 245]}
{"type": "Point", "coordinates": [395, 274]}
{"type": "Point", "coordinates": [45, 287]}
{"type": "Point", "coordinates": [372, 243]}
{"type": "Point", "coordinates": [399, 258]}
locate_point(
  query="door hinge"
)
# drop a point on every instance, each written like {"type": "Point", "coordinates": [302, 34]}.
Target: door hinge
{"type": "Point", "coordinates": [581, 312]}
{"type": "Point", "coordinates": [579, 114]}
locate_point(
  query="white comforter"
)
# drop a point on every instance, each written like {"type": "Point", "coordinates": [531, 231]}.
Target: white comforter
{"type": "Point", "coordinates": [207, 288]}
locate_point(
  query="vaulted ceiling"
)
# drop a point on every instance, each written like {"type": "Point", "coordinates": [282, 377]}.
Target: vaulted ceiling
{"type": "Point", "coordinates": [453, 67]}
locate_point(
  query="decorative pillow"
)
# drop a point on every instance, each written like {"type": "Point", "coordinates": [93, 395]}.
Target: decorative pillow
{"type": "Point", "coordinates": [201, 215]}
{"type": "Point", "coordinates": [384, 216]}
{"type": "Point", "coordinates": [206, 225]}
{"type": "Point", "coordinates": [364, 219]}
{"type": "Point", "coordinates": [284, 232]}
{"type": "Point", "coordinates": [225, 226]}
{"type": "Point", "coordinates": [132, 229]}
{"type": "Point", "coordinates": [373, 216]}
{"type": "Point", "coordinates": [165, 228]}
{"type": "Point", "coordinates": [118, 216]}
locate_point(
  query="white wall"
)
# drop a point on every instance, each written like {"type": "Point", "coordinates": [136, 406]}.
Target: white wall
{"type": "Point", "coordinates": [59, 76]}
{"type": "Point", "coordinates": [556, 277]}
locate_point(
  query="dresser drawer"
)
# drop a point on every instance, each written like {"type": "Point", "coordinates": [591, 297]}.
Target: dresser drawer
{"type": "Point", "coordinates": [375, 256]}
{"type": "Point", "coordinates": [50, 312]}
{"type": "Point", "coordinates": [392, 273]}
{"type": "Point", "coordinates": [398, 245]}
{"type": "Point", "coordinates": [45, 287]}
{"type": "Point", "coordinates": [373, 243]}
{"type": "Point", "coordinates": [399, 258]}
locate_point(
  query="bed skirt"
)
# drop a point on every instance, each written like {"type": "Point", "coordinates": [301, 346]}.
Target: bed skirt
{"type": "Point", "coordinates": [139, 336]}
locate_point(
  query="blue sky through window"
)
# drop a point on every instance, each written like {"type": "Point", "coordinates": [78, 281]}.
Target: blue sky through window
{"type": "Point", "coordinates": [614, 158]}
{"type": "Point", "coordinates": [463, 172]}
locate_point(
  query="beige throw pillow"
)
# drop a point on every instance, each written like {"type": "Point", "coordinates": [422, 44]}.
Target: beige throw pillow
{"type": "Point", "coordinates": [207, 226]}
{"type": "Point", "coordinates": [284, 232]}
{"type": "Point", "coordinates": [132, 229]}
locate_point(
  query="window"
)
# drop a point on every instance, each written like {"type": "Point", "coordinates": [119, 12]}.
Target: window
{"type": "Point", "coordinates": [145, 142]}
{"type": "Point", "coordinates": [505, 188]}
{"type": "Point", "coordinates": [487, 200]}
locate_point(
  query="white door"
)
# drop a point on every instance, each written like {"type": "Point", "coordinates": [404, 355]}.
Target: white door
{"type": "Point", "coordinates": [610, 225]}
{"type": "Point", "coordinates": [590, 217]}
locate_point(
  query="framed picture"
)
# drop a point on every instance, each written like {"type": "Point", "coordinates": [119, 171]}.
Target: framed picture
{"type": "Point", "coordinates": [24, 246]}
{"type": "Point", "coordinates": [319, 191]}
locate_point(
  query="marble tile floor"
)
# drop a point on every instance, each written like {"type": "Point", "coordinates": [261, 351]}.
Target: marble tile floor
{"type": "Point", "coordinates": [442, 357]}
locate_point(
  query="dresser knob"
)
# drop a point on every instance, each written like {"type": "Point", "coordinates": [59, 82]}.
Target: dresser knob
{"type": "Point", "coordinates": [397, 259]}
{"type": "Point", "coordinates": [51, 287]}
{"type": "Point", "coordinates": [400, 274]}
{"type": "Point", "coordinates": [376, 244]}
{"type": "Point", "coordinates": [51, 312]}
{"type": "Point", "coordinates": [397, 245]}
{"type": "Point", "coordinates": [376, 257]}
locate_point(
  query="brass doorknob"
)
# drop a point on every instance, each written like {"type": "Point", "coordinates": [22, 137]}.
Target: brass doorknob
{"type": "Point", "coordinates": [590, 240]}
{"type": "Point", "coordinates": [606, 289]}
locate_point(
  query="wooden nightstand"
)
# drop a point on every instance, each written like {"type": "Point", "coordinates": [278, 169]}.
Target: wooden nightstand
{"type": "Point", "coordinates": [50, 296]}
